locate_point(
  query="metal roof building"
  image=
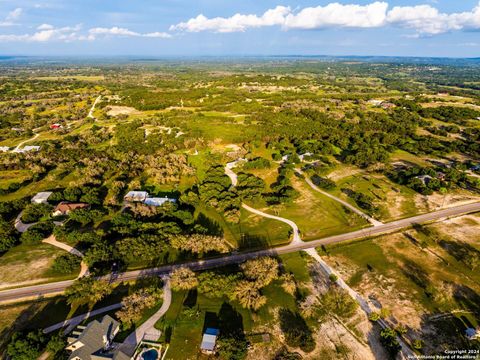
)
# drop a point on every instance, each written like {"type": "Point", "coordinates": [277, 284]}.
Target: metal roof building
{"type": "Point", "coordinates": [41, 197]}
{"type": "Point", "coordinates": [209, 340]}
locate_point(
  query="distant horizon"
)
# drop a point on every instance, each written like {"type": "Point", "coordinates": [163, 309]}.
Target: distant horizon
{"type": "Point", "coordinates": [394, 28]}
{"type": "Point", "coordinates": [173, 56]}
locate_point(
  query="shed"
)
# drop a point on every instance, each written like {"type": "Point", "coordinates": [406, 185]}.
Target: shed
{"type": "Point", "coordinates": [41, 197]}
{"type": "Point", "coordinates": [209, 340]}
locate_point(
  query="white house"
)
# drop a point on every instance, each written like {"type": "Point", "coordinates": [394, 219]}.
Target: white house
{"type": "Point", "coordinates": [157, 201]}
{"type": "Point", "coordinates": [27, 149]}
{"type": "Point", "coordinates": [41, 197]}
{"type": "Point", "coordinates": [136, 196]}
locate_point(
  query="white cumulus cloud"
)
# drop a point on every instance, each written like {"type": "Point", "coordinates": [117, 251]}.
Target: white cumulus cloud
{"type": "Point", "coordinates": [118, 31]}
{"type": "Point", "coordinates": [236, 23]}
{"type": "Point", "coordinates": [338, 15]}
{"type": "Point", "coordinates": [47, 32]}
{"type": "Point", "coordinates": [429, 20]}
{"type": "Point", "coordinates": [424, 19]}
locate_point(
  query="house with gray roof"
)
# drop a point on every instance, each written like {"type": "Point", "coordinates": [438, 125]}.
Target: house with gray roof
{"type": "Point", "coordinates": [94, 341]}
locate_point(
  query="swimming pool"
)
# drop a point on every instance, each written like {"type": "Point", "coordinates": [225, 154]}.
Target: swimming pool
{"type": "Point", "coordinates": [151, 354]}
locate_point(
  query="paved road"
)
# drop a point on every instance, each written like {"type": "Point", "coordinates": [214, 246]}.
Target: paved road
{"type": "Point", "coordinates": [22, 227]}
{"type": "Point", "coordinates": [25, 141]}
{"type": "Point", "coordinates": [407, 352]}
{"type": "Point", "coordinates": [230, 173]}
{"type": "Point", "coordinates": [148, 327]}
{"type": "Point", "coordinates": [58, 287]}
{"type": "Point", "coordinates": [90, 113]}
{"type": "Point", "coordinates": [344, 203]}
{"type": "Point", "coordinates": [296, 232]}
{"type": "Point", "coordinates": [53, 241]}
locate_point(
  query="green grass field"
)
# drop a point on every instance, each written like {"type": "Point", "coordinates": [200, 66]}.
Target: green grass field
{"type": "Point", "coordinates": [25, 263]}
{"type": "Point", "coordinates": [318, 216]}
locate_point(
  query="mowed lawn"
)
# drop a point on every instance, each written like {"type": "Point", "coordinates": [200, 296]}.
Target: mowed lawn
{"type": "Point", "coordinates": [316, 215]}
{"type": "Point", "coordinates": [393, 201]}
{"type": "Point", "coordinates": [253, 231]}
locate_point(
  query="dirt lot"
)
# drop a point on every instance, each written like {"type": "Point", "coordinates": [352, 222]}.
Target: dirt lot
{"type": "Point", "coordinates": [122, 110]}
{"type": "Point", "coordinates": [421, 277]}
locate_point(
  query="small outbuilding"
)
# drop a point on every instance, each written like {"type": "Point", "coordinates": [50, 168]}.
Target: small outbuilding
{"type": "Point", "coordinates": [41, 197]}
{"type": "Point", "coordinates": [209, 340]}
{"type": "Point", "coordinates": [136, 196]}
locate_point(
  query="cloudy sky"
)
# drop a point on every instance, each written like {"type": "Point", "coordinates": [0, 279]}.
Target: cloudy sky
{"type": "Point", "coordinates": [247, 27]}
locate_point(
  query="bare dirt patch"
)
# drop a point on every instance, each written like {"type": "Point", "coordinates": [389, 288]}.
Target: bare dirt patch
{"type": "Point", "coordinates": [122, 110]}
{"type": "Point", "coordinates": [438, 201]}
{"type": "Point", "coordinates": [464, 229]}
{"type": "Point", "coordinates": [343, 173]}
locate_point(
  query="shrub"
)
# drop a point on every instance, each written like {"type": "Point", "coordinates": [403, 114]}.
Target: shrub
{"type": "Point", "coordinates": [66, 264]}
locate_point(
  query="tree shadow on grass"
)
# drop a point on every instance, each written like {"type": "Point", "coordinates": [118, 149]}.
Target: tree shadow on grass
{"type": "Point", "coordinates": [20, 323]}
{"type": "Point", "coordinates": [230, 321]}
{"type": "Point", "coordinates": [212, 226]}
{"type": "Point", "coordinates": [296, 330]}
{"type": "Point", "coordinates": [251, 241]}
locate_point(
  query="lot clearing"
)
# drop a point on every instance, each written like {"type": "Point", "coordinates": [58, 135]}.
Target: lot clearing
{"type": "Point", "coordinates": [122, 110]}
{"type": "Point", "coordinates": [422, 277]}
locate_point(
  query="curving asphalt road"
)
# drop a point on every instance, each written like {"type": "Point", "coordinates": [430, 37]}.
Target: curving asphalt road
{"type": "Point", "coordinates": [296, 232]}
{"type": "Point", "coordinates": [148, 327]}
{"type": "Point", "coordinates": [58, 287]}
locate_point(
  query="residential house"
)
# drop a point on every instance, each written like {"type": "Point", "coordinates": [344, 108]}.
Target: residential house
{"type": "Point", "coordinates": [136, 196]}
{"type": "Point", "coordinates": [94, 341]}
{"type": "Point", "coordinates": [158, 201]}
{"type": "Point", "coordinates": [65, 207]}
{"type": "Point", "coordinates": [56, 126]}
{"type": "Point", "coordinates": [4, 148]}
{"type": "Point", "coordinates": [41, 197]}
{"type": "Point", "coordinates": [209, 341]}
{"type": "Point", "coordinates": [387, 105]}
{"type": "Point", "coordinates": [27, 149]}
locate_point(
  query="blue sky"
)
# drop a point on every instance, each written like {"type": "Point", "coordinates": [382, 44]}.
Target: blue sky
{"type": "Point", "coordinates": [247, 27]}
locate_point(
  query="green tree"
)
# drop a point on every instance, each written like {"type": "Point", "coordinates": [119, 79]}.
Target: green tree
{"type": "Point", "coordinates": [26, 346]}
{"type": "Point", "coordinates": [261, 270]}
{"type": "Point", "coordinates": [87, 290]}
{"type": "Point", "coordinates": [183, 279]}
{"type": "Point", "coordinates": [66, 264]}
{"type": "Point", "coordinates": [34, 212]}
{"type": "Point", "coordinates": [7, 236]}
{"type": "Point", "coordinates": [199, 243]}
{"type": "Point", "coordinates": [388, 338]}
{"type": "Point", "coordinates": [230, 348]}
{"type": "Point", "coordinates": [248, 295]}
